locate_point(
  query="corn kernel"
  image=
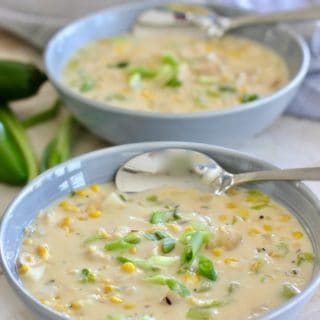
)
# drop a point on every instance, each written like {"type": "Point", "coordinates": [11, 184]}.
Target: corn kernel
{"type": "Point", "coordinates": [284, 217]}
{"type": "Point", "coordinates": [189, 229]}
{"type": "Point", "coordinates": [128, 267]}
{"type": "Point", "coordinates": [253, 232]}
{"type": "Point", "coordinates": [192, 278]}
{"type": "Point", "coordinates": [95, 188]}
{"type": "Point", "coordinates": [256, 266]}
{"type": "Point", "coordinates": [95, 214]}
{"type": "Point", "coordinates": [129, 306]}
{"type": "Point", "coordinates": [223, 218]}
{"type": "Point", "coordinates": [147, 94]}
{"type": "Point", "coordinates": [217, 252]}
{"type": "Point", "coordinates": [59, 307]}
{"type": "Point", "coordinates": [267, 227]}
{"type": "Point", "coordinates": [23, 269]}
{"type": "Point", "coordinates": [43, 252]}
{"type": "Point", "coordinates": [66, 222]}
{"type": "Point", "coordinates": [108, 288]}
{"type": "Point", "coordinates": [75, 306]}
{"type": "Point", "coordinates": [67, 206]}
{"type": "Point", "coordinates": [244, 213]}
{"type": "Point", "coordinates": [27, 241]}
{"type": "Point", "coordinates": [192, 300]}
{"type": "Point", "coordinates": [231, 260]}
{"type": "Point", "coordinates": [173, 227]}
{"type": "Point", "coordinates": [81, 193]}
{"type": "Point", "coordinates": [45, 301]}
{"type": "Point", "coordinates": [104, 234]}
{"type": "Point", "coordinates": [297, 234]}
{"type": "Point", "coordinates": [64, 204]}
{"type": "Point", "coordinates": [133, 250]}
{"type": "Point", "coordinates": [231, 205]}
{"type": "Point", "coordinates": [106, 281]}
{"type": "Point", "coordinates": [116, 300]}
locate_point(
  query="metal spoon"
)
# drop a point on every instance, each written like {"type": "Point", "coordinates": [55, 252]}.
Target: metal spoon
{"type": "Point", "coordinates": [213, 24]}
{"type": "Point", "coordinates": [191, 168]}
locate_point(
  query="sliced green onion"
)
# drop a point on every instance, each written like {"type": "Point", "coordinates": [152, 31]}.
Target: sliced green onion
{"type": "Point", "coordinates": [124, 243]}
{"type": "Point", "coordinates": [213, 93]}
{"type": "Point", "coordinates": [288, 290]}
{"type": "Point", "coordinates": [249, 97]}
{"type": "Point", "coordinates": [87, 276]}
{"type": "Point", "coordinates": [207, 80]}
{"type": "Point", "coordinates": [258, 199]}
{"type": "Point", "coordinates": [170, 59]}
{"type": "Point", "coordinates": [206, 286]}
{"type": "Point", "coordinates": [305, 257]}
{"type": "Point", "coordinates": [168, 244]}
{"type": "Point", "coordinates": [162, 216]}
{"type": "Point", "coordinates": [282, 250]}
{"type": "Point", "coordinates": [115, 96]}
{"type": "Point", "coordinates": [157, 235]}
{"type": "Point", "coordinates": [197, 239]}
{"type": "Point", "coordinates": [174, 83]}
{"type": "Point", "coordinates": [227, 88]}
{"type": "Point", "coordinates": [135, 81]}
{"type": "Point", "coordinates": [87, 85]}
{"type": "Point", "coordinates": [200, 313]}
{"type": "Point", "coordinates": [152, 263]}
{"type": "Point", "coordinates": [200, 101]}
{"type": "Point", "coordinates": [171, 283]}
{"type": "Point", "coordinates": [143, 72]}
{"type": "Point", "coordinates": [152, 198]}
{"type": "Point", "coordinates": [206, 268]}
{"type": "Point", "coordinates": [94, 238]}
{"type": "Point", "coordinates": [119, 65]}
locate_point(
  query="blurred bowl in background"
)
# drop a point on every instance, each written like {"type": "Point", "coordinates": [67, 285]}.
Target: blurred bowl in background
{"type": "Point", "coordinates": [119, 125]}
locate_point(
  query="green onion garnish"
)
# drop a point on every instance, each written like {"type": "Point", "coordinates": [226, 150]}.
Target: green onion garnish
{"type": "Point", "coordinates": [249, 97]}
{"type": "Point", "coordinates": [87, 276]}
{"type": "Point", "coordinates": [162, 216]}
{"type": "Point", "coordinates": [206, 268]}
{"type": "Point", "coordinates": [124, 243]}
{"type": "Point", "coordinates": [288, 290]}
{"type": "Point", "coordinates": [171, 283]}
{"type": "Point", "coordinates": [153, 263]}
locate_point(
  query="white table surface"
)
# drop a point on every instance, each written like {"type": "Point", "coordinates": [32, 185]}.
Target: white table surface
{"type": "Point", "coordinates": [290, 142]}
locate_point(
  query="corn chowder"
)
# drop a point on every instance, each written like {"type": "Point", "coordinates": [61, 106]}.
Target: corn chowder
{"type": "Point", "coordinates": [171, 253]}
{"type": "Point", "coordinates": [175, 73]}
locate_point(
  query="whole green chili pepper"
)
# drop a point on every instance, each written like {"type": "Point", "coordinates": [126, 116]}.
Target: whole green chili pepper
{"type": "Point", "coordinates": [59, 148]}
{"type": "Point", "coordinates": [17, 161]}
{"type": "Point", "coordinates": [19, 80]}
{"type": "Point", "coordinates": [43, 116]}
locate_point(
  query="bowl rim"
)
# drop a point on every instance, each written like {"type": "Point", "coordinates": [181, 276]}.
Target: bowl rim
{"type": "Point", "coordinates": [33, 303]}
{"type": "Point", "coordinates": [104, 107]}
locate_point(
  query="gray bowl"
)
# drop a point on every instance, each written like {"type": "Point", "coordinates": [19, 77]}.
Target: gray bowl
{"type": "Point", "coordinates": [100, 167]}
{"type": "Point", "coordinates": [119, 125]}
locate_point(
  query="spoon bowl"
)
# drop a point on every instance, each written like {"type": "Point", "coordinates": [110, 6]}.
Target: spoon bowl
{"type": "Point", "coordinates": [184, 167]}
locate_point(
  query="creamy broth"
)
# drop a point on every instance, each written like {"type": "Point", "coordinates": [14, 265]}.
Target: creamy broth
{"type": "Point", "coordinates": [171, 253]}
{"type": "Point", "coordinates": [175, 73]}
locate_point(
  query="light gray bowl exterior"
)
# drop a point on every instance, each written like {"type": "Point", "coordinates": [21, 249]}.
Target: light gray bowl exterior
{"type": "Point", "coordinates": [100, 167]}
{"type": "Point", "coordinates": [119, 125]}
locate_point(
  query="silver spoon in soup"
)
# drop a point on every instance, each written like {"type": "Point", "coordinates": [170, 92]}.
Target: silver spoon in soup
{"type": "Point", "coordinates": [185, 167]}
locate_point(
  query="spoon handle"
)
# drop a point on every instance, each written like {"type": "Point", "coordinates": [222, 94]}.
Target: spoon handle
{"type": "Point", "coordinates": [310, 13]}
{"type": "Point", "coordinates": [278, 174]}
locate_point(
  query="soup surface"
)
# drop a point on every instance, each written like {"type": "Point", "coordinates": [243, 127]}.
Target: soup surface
{"type": "Point", "coordinates": [169, 253]}
{"type": "Point", "coordinates": [175, 73]}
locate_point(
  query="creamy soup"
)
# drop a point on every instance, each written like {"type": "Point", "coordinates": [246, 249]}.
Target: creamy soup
{"type": "Point", "coordinates": [175, 73]}
{"type": "Point", "coordinates": [171, 253]}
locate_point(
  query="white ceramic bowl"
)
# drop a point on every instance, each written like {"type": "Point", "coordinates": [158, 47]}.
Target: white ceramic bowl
{"type": "Point", "coordinates": [100, 167]}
